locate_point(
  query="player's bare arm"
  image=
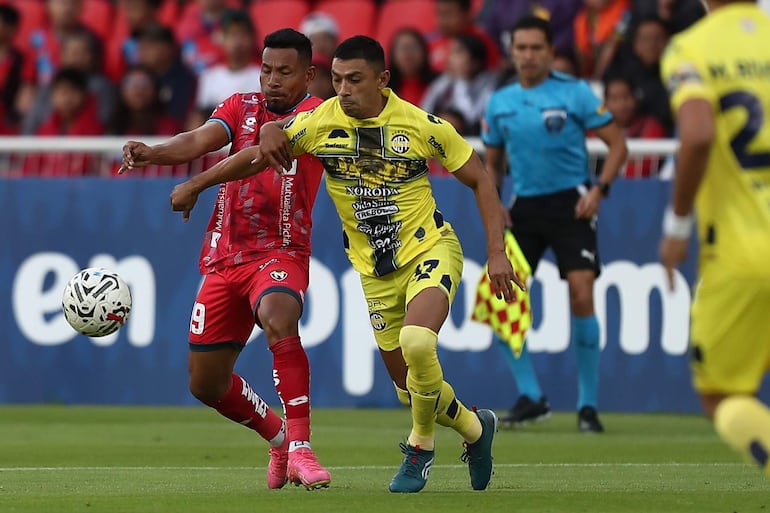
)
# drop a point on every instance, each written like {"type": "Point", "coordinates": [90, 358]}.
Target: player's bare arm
{"type": "Point", "coordinates": [179, 149]}
{"type": "Point", "coordinates": [501, 273]}
{"type": "Point", "coordinates": [612, 136]}
{"type": "Point", "coordinates": [185, 195]}
{"type": "Point", "coordinates": [695, 126]}
{"type": "Point", "coordinates": [494, 162]}
{"type": "Point", "coordinates": [275, 145]}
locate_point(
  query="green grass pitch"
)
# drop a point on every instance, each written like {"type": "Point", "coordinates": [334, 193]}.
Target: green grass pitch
{"type": "Point", "coordinates": [59, 459]}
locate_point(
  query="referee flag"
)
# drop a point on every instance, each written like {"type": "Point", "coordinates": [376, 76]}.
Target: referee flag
{"type": "Point", "coordinates": [510, 321]}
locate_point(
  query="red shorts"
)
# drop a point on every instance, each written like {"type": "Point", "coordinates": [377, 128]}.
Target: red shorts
{"type": "Point", "coordinates": [224, 313]}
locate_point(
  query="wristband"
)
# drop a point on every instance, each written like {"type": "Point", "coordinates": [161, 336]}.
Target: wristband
{"type": "Point", "coordinates": [677, 227]}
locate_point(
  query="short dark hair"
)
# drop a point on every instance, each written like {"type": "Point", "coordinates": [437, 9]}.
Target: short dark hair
{"type": "Point", "coordinates": [464, 5]}
{"type": "Point", "coordinates": [362, 47]}
{"type": "Point", "coordinates": [157, 32]}
{"type": "Point", "coordinates": [236, 17]}
{"type": "Point", "coordinates": [534, 22]}
{"type": "Point", "coordinates": [290, 38]}
{"type": "Point", "coordinates": [72, 76]}
{"type": "Point", "coordinates": [9, 15]}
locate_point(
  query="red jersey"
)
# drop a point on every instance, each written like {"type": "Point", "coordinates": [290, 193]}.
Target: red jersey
{"type": "Point", "coordinates": [270, 212]}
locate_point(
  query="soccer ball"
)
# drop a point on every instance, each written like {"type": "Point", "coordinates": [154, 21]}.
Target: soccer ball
{"type": "Point", "coordinates": [96, 302]}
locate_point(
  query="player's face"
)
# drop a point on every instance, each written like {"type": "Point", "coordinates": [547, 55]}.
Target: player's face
{"type": "Point", "coordinates": [284, 78]}
{"type": "Point", "coordinates": [532, 55]}
{"type": "Point", "coordinates": [359, 87]}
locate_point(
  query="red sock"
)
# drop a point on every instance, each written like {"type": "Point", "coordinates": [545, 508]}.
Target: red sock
{"type": "Point", "coordinates": [240, 404]}
{"type": "Point", "coordinates": [291, 374]}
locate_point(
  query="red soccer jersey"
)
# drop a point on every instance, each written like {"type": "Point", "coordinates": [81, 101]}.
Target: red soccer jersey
{"type": "Point", "coordinates": [267, 212]}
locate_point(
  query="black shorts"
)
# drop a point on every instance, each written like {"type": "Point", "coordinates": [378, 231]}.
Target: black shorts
{"type": "Point", "coordinates": [540, 222]}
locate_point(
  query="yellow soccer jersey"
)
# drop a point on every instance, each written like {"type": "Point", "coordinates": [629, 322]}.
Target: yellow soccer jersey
{"type": "Point", "coordinates": [725, 59]}
{"type": "Point", "coordinates": [377, 176]}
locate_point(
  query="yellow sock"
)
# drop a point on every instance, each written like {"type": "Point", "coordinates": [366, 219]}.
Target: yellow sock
{"type": "Point", "coordinates": [453, 414]}
{"type": "Point", "coordinates": [423, 382]}
{"type": "Point", "coordinates": [744, 423]}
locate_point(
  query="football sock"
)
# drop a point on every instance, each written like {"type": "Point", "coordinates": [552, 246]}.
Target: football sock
{"type": "Point", "coordinates": [423, 381]}
{"type": "Point", "coordinates": [585, 340]}
{"type": "Point", "coordinates": [240, 404]}
{"type": "Point", "coordinates": [744, 423]}
{"type": "Point", "coordinates": [522, 369]}
{"type": "Point", "coordinates": [291, 374]}
{"type": "Point", "coordinates": [450, 413]}
{"type": "Point", "coordinates": [453, 414]}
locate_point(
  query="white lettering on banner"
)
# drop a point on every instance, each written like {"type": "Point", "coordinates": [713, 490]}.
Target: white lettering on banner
{"type": "Point", "coordinates": [359, 349]}
{"type": "Point", "coordinates": [635, 285]}
{"type": "Point", "coordinates": [36, 300]}
{"type": "Point", "coordinates": [551, 333]}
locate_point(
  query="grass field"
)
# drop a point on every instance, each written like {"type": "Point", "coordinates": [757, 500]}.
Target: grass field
{"type": "Point", "coordinates": [58, 459]}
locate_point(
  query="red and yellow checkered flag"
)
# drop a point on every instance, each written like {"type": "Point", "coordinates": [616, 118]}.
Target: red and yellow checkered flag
{"type": "Point", "coordinates": [510, 321]}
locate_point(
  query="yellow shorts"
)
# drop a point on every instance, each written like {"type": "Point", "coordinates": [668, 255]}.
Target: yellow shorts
{"type": "Point", "coordinates": [730, 333]}
{"type": "Point", "coordinates": [387, 296]}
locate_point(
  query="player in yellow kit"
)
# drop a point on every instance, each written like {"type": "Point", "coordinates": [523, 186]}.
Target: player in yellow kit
{"type": "Point", "coordinates": [374, 148]}
{"type": "Point", "coordinates": [718, 74]}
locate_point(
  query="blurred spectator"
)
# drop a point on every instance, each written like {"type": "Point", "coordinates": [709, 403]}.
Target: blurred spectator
{"type": "Point", "coordinates": [42, 51]}
{"type": "Point", "coordinates": [138, 109]}
{"type": "Point", "coordinates": [321, 85]}
{"type": "Point", "coordinates": [565, 63]}
{"type": "Point", "coordinates": [454, 118]}
{"type": "Point", "coordinates": [600, 27]}
{"type": "Point", "coordinates": [640, 62]}
{"type": "Point", "coordinates": [678, 14]}
{"type": "Point", "coordinates": [465, 86]}
{"type": "Point", "coordinates": [200, 17]}
{"type": "Point", "coordinates": [239, 73]}
{"type": "Point", "coordinates": [410, 71]}
{"type": "Point", "coordinates": [453, 18]}
{"type": "Point", "coordinates": [322, 31]}
{"type": "Point", "coordinates": [73, 114]}
{"type": "Point", "coordinates": [500, 15]}
{"type": "Point", "coordinates": [620, 100]}
{"type": "Point", "coordinates": [80, 50]}
{"type": "Point", "coordinates": [11, 62]}
{"type": "Point", "coordinates": [122, 47]}
{"type": "Point", "coordinates": [158, 51]}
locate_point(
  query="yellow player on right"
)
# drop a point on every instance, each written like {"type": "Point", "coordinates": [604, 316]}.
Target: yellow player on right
{"type": "Point", "coordinates": [718, 76]}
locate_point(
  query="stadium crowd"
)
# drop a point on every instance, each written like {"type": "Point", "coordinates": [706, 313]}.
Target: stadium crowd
{"type": "Point", "coordinates": [155, 67]}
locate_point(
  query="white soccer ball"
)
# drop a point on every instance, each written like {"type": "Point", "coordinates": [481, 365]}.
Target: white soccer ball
{"type": "Point", "coordinates": [96, 302]}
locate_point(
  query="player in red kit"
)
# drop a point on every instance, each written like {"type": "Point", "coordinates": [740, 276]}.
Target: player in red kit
{"type": "Point", "coordinates": [255, 260]}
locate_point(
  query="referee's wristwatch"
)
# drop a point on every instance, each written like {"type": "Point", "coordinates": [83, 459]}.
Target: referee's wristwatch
{"type": "Point", "coordinates": [604, 188]}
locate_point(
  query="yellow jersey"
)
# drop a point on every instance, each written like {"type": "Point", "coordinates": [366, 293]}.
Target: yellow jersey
{"type": "Point", "coordinates": [725, 59]}
{"type": "Point", "coordinates": [377, 177]}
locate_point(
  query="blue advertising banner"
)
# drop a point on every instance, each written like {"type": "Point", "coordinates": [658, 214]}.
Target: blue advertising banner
{"type": "Point", "coordinates": [52, 228]}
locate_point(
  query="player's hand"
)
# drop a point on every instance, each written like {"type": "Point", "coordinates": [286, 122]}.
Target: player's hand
{"type": "Point", "coordinates": [183, 199]}
{"type": "Point", "coordinates": [135, 154]}
{"type": "Point", "coordinates": [501, 274]}
{"type": "Point", "coordinates": [274, 146]}
{"type": "Point", "coordinates": [588, 204]}
{"type": "Point", "coordinates": [672, 253]}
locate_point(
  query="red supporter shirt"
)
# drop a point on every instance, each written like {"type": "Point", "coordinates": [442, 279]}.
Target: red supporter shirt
{"type": "Point", "coordinates": [269, 212]}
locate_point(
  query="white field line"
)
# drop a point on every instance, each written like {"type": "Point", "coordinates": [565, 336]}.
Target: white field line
{"type": "Point", "coordinates": [382, 467]}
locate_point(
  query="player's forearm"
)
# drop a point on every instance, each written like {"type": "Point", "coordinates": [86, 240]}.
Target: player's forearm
{"type": "Point", "coordinates": [493, 162]}
{"type": "Point", "coordinates": [489, 206]}
{"type": "Point", "coordinates": [691, 163]}
{"type": "Point", "coordinates": [234, 167]}
{"type": "Point", "coordinates": [180, 149]}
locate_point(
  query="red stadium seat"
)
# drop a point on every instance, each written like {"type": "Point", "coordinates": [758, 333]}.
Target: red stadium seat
{"type": "Point", "coordinates": [169, 13]}
{"type": "Point", "coordinates": [352, 16]}
{"type": "Point", "coordinates": [397, 14]}
{"type": "Point", "coordinates": [32, 14]}
{"type": "Point", "coordinates": [97, 15]}
{"type": "Point", "coordinates": [271, 15]}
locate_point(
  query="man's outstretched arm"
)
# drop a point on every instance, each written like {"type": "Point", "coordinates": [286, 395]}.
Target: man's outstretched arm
{"type": "Point", "coordinates": [245, 163]}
